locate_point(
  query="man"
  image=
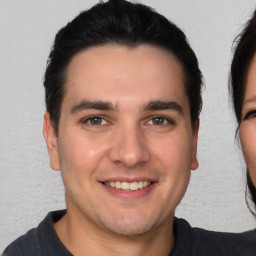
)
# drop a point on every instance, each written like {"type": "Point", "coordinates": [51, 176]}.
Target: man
{"type": "Point", "coordinates": [123, 97]}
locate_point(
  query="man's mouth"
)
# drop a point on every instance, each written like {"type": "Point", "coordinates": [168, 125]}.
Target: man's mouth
{"type": "Point", "coordinates": [135, 185]}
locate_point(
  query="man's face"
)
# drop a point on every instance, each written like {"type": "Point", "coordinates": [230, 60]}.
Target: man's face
{"type": "Point", "coordinates": [125, 145]}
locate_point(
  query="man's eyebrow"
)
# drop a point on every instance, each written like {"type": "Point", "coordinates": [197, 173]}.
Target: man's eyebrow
{"type": "Point", "coordinates": [164, 105]}
{"type": "Point", "coordinates": [98, 105]}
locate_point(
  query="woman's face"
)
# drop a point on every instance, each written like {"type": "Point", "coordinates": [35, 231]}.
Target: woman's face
{"type": "Point", "coordinates": [247, 129]}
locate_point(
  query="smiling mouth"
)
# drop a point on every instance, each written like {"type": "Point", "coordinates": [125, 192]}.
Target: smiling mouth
{"type": "Point", "coordinates": [135, 185]}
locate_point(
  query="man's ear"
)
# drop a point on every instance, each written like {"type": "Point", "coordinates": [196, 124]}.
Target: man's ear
{"type": "Point", "coordinates": [51, 142]}
{"type": "Point", "coordinates": [194, 162]}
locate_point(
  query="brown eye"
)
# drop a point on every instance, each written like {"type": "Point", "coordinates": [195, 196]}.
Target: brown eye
{"type": "Point", "coordinates": [158, 120]}
{"type": "Point", "coordinates": [95, 120]}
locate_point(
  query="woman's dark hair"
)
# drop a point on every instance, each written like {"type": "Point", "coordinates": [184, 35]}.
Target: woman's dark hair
{"type": "Point", "coordinates": [251, 195]}
{"type": "Point", "coordinates": [245, 48]}
{"type": "Point", "coordinates": [124, 23]}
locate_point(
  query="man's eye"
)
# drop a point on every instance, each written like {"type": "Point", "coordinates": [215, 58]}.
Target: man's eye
{"type": "Point", "coordinates": [95, 120]}
{"type": "Point", "coordinates": [249, 115]}
{"type": "Point", "coordinates": [159, 120]}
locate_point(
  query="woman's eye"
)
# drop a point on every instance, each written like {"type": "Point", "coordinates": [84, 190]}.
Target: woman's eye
{"type": "Point", "coordinates": [95, 120]}
{"type": "Point", "coordinates": [249, 115]}
{"type": "Point", "coordinates": [159, 120]}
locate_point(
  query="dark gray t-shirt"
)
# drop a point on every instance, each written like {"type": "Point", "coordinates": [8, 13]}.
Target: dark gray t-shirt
{"type": "Point", "coordinates": [43, 241]}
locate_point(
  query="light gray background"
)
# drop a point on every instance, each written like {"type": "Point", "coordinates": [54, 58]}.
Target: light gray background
{"type": "Point", "coordinates": [29, 188]}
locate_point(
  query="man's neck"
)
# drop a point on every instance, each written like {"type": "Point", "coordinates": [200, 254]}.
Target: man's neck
{"type": "Point", "coordinates": [82, 239]}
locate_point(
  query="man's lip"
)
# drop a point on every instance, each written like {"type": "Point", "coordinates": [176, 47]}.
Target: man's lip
{"type": "Point", "coordinates": [128, 179]}
{"type": "Point", "coordinates": [128, 192]}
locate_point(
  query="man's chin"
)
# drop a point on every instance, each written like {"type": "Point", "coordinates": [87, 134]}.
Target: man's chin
{"type": "Point", "coordinates": [129, 226]}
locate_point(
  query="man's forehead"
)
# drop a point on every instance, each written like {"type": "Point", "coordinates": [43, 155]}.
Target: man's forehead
{"type": "Point", "coordinates": [149, 75]}
{"type": "Point", "coordinates": [116, 61]}
{"type": "Point", "coordinates": [109, 53]}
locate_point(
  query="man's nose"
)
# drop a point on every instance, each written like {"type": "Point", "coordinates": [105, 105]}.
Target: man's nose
{"type": "Point", "coordinates": [130, 147]}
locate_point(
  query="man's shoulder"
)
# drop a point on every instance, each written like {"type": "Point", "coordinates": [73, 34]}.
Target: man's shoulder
{"type": "Point", "coordinates": [37, 241]}
{"type": "Point", "coordinates": [27, 244]}
{"type": "Point", "coordinates": [251, 234]}
{"type": "Point", "coordinates": [205, 242]}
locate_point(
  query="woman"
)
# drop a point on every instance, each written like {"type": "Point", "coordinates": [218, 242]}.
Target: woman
{"type": "Point", "coordinates": [243, 94]}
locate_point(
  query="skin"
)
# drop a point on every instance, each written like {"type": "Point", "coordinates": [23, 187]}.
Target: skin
{"type": "Point", "coordinates": [138, 130]}
{"type": "Point", "coordinates": [248, 122]}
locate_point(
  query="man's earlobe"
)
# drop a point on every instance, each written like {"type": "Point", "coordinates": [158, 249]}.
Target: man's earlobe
{"type": "Point", "coordinates": [51, 142]}
{"type": "Point", "coordinates": [194, 162]}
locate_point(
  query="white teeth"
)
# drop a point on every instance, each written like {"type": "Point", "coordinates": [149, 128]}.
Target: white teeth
{"type": "Point", "coordinates": [134, 186]}
{"type": "Point", "coordinates": [125, 185]}
{"type": "Point", "coordinates": [141, 184]}
{"type": "Point", "coordinates": [118, 184]}
{"type": "Point", "coordinates": [128, 185]}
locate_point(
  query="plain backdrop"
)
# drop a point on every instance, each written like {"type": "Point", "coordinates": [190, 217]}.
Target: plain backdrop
{"type": "Point", "coordinates": [29, 188]}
